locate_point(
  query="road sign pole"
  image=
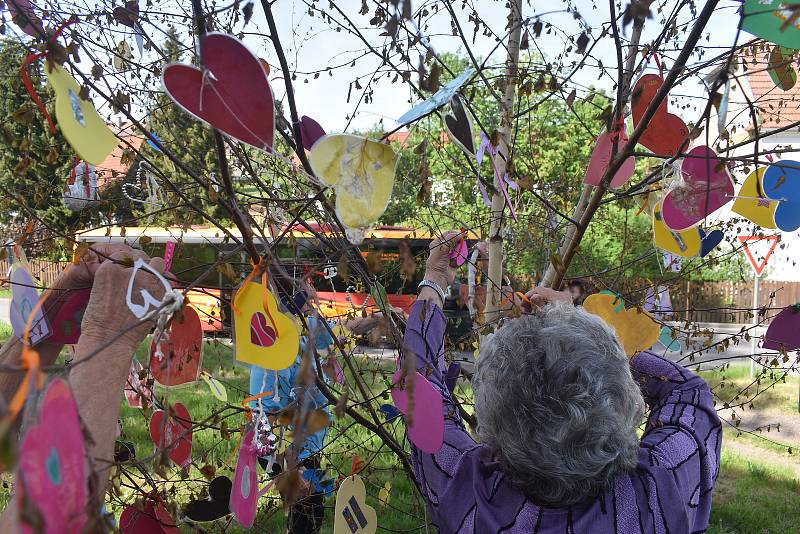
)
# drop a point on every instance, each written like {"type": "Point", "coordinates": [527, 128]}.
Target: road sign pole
{"type": "Point", "coordinates": [753, 340]}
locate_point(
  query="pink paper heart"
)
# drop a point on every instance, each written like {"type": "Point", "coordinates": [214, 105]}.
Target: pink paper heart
{"type": "Point", "coordinates": [173, 434]}
{"type": "Point", "coordinates": [708, 188]}
{"type": "Point", "coordinates": [311, 131]}
{"type": "Point", "coordinates": [181, 351]}
{"type": "Point", "coordinates": [244, 493]}
{"type": "Point", "coordinates": [459, 253]}
{"type": "Point", "coordinates": [426, 430]}
{"type": "Point", "coordinates": [601, 155]}
{"type": "Point", "coordinates": [231, 93]}
{"type": "Point", "coordinates": [51, 463]}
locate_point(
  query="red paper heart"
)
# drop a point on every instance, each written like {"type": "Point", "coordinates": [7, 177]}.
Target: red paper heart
{"type": "Point", "coordinates": [261, 333]}
{"type": "Point", "coordinates": [666, 133]}
{"type": "Point", "coordinates": [151, 520]}
{"type": "Point", "coordinates": [67, 319]}
{"type": "Point", "coordinates": [182, 351]}
{"type": "Point", "coordinates": [231, 93]}
{"type": "Point", "coordinates": [173, 434]}
{"type": "Point", "coordinates": [128, 15]}
{"type": "Point", "coordinates": [311, 131]}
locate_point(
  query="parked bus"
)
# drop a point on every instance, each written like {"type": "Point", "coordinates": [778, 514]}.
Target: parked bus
{"type": "Point", "coordinates": [395, 257]}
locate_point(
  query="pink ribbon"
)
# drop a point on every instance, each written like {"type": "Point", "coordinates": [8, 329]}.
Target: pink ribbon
{"type": "Point", "coordinates": [504, 181]}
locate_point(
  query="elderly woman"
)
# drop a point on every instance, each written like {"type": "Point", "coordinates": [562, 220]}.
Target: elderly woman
{"type": "Point", "coordinates": [558, 405]}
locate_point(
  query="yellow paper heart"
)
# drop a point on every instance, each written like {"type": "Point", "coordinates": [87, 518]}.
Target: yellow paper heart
{"type": "Point", "coordinates": [362, 173]}
{"type": "Point", "coordinates": [264, 337]}
{"type": "Point", "coordinates": [216, 387]}
{"type": "Point", "coordinates": [352, 515]}
{"type": "Point", "coordinates": [684, 243]}
{"type": "Point", "coordinates": [636, 330]}
{"type": "Point", "coordinates": [83, 128]}
{"type": "Point", "coordinates": [751, 205]}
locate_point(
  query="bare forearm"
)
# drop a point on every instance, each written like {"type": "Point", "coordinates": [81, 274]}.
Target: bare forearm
{"type": "Point", "coordinates": [97, 379]}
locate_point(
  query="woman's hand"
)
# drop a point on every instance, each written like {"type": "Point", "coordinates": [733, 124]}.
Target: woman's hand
{"type": "Point", "coordinates": [440, 268]}
{"type": "Point", "coordinates": [539, 297]}
{"type": "Point", "coordinates": [107, 313]}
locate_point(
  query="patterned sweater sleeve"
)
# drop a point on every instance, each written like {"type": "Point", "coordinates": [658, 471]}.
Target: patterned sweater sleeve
{"type": "Point", "coordinates": [424, 340]}
{"type": "Point", "coordinates": [680, 449]}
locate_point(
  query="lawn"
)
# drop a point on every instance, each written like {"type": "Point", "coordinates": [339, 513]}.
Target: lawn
{"type": "Point", "coordinates": [755, 493]}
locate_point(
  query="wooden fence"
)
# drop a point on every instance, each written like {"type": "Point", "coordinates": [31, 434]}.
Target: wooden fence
{"type": "Point", "coordinates": [45, 271]}
{"type": "Point", "coordinates": [729, 302]}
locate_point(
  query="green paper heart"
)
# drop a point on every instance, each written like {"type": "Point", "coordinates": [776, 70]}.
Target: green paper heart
{"type": "Point", "coordinates": [764, 19]}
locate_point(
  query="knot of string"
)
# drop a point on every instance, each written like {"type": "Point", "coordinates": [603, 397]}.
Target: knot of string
{"type": "Point", "coordinates": [171, 304]}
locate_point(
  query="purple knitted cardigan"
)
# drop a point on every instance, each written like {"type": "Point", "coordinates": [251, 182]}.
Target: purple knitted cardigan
{"type": "Point", "coordinates": [669, 491]}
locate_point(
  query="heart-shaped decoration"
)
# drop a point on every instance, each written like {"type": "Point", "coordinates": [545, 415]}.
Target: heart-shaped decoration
{"type": "Point", "coordinates": [707, 187]}
{"type": "Point", "coordinates": [784, 330]}
{"type": "Point", "coordinates": [81, 190]}
{"type": "Point", "coordinates": [635, 329]}
{"type": "Point", "coordinates": [82, 127]}
{"type": "Point", "coordinates": [51, 463]}
{"type": "Point", "coordinates": [361, 171]}
{"type": "Point", "coordinates": [231, 93]}
{"type": "Point", "coordinates": [352, 514]}
{"type": "Point", "coordinates": [135, 390]}
{"type": "Point", "coordinates": [215, 506]}
{"type": "Point", "coordinates": [426, 429]}
{"type": "Point", "coordinates": [153, 519]}
{"type": "Point", "coordinates": [459, 253]}
{"type": "Point", "coordinates": [666, 133]}
{"type": "Point", "coordinates": [261, 333]}
{"type": "Point", "coordinates": [751, 203]}
{"type": "Point", "coordinates": [180, 357]}
{"type": "Point", "coordinates": [390, 412]}
{"type": "Point", "coordinates": [25, 17]}
{"type": "Point", "coordinates": [685, 244]}
{"type": "Point", "coordinates": [310, 130]}
{"type": "Point", "coordinates": [67, 319]}
{"type": "Point", "coordinates": [24, 299]}
{"type": "Point", "coordinates": [216, 387]}
{"type": "Point", "coordinates": [601, 156]}
{"type": "Point", "coordinates": [782, 183]}
{"type": "Point", "coordinates": [669, 342]}
{"type": "Point", "coordinates": [173, 433]}
{"type": "Point", "coordinates": [459, 126]}
{"type": "Point", "coordinates": [148, 300]}
{"type": "Point", "coordinates": [709, 241]}
{"type": "Point", "coordinates": [128, 15]}
{"type": "Point", "coordinates": [438, 99]}
{"type": "Point", "coordinates": [264, 337]}
{"type": "Point", "coordinates": [780, 68]}
{"type": "Point", "coordinates": [767, 18]}
{"type": "Point", "coordinates": [244, 494]}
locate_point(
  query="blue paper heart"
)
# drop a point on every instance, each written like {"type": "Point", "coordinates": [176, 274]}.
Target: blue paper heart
{"type": "Point", "coordinates": [390, 412]}
{"type": "Point", "coordinates": [152, 144]}
{"type": "Point", "coordinates": [709, 241]}
{"type": "Point", "coordinates": [782, 183]}
{"type": "Point", "coordinates": [320, 480]}
{"type": "Point", "coordinates": [665, 338]}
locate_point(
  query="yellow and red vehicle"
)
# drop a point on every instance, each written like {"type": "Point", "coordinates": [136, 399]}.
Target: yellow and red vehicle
{"type": "Point", "coordinates": [395, 257]}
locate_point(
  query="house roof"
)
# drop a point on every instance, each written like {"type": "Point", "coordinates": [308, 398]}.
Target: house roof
{"type": "Point", "coordinates": [117, 163]}
{"type": "Point", "coordinates": [776, 107]}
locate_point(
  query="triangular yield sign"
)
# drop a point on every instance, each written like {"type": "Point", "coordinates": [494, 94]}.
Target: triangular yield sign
{"type": "Point", "coordinates": [758, 264]}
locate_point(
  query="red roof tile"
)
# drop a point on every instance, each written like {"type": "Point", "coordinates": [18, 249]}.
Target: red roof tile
{"type": "Point", "coordinates": [776, 107]}
{"type": "Point", "coordinates": [113, 167]}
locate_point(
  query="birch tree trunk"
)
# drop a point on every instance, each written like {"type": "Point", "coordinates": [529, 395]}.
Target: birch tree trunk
{"type": "Point", "coordinates": [511, 80]}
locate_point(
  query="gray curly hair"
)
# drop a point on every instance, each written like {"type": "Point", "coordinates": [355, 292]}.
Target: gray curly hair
{"type": "Point", "coordinates": [556, 401]}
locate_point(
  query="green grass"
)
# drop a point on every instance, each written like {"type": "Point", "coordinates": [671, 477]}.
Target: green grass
{"type": "Point", "coordinates": [753, 497]}
{"type": "Point", "coordinates": [771, 390]}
